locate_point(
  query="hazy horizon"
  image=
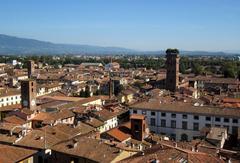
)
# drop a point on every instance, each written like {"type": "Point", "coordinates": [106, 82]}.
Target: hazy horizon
{"type": "Point", "coordinates": [146, 25]}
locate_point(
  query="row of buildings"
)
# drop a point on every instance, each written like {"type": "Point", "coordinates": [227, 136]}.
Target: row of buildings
{"type": "Point", "coordinates": [128, 115]}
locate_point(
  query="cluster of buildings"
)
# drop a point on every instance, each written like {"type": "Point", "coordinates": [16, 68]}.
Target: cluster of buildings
{"type": "Point", "coordinates": [103, 113]}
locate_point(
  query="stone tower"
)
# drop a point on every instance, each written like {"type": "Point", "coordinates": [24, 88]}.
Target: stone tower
{"type": "Point", "coordinates": [138, 126]}
{"type": "Point", "coordinates": [172, 66]}
{"type": "Point", "coordinates": [30, 68]}
{"type": "Point", "coordinates": [28, 94]}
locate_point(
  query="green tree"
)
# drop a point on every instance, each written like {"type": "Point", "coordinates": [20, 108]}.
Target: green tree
{"type": "Point", "coordinates": [182, 68]}
{"type": "Point", "coordinates": [230, 70]}
{"type": "Point", "coordinates": [197, 69]}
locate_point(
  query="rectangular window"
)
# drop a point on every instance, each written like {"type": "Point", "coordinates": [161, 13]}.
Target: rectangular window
{"type": "Point", "coordinates": [235, 121]}
{"type": "Point", "coordinates": [173, 124]}
{"type": "Point", "coordinates": [163, 114]}
{"type": "Point", "coordinates": [196, 117]}
{"type": "Point", "coordinates": [195, 126]}
{"type": "Point", "coordinates": [163, 123]}
{"type": "Point", "coordinates": [208, 118]}
{"type": "Point", "coordinates": [153, 113]}
{"type": "Point", "coordinates": [173, 115]}
{"type": "Point", "coordinates": [226, 120]}
{"type": "Point", "coordinates": [217, 119]}
{"type": "Point", "coordinates": [134, 111]}
{"type": "Point", "coordinates": [217, 125]}
{"type": "Point", "coordinates": [184, 125]}
{"type": "Point", "coordinates": [184, 116]}
{"type": "Point", "coordinates": [152, 122]}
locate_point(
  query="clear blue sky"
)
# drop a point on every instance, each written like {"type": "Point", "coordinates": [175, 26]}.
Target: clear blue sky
{"type": "Point", "coordinates": [138, 24]}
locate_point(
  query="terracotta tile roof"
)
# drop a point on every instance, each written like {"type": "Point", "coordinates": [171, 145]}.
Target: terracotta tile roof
{"type": "Point", "coordinates": [63, 98]}
{"type": "Point", "coordinates": [9, 92]}
{"type": "Point", "coordinates": [9, 154]}
{"type": "Point", "coordinates": [119, 135]}
{"type": "Point", "coordinates": [216, 80]}
{"type": "Point", "coordinates": [137, 116]}
{"type": "Point", "coordinates": [10, 107]}
{"type": "Point", "coordinates": [51, 117]}
{"type": "Point", "coordinates": [15, 120]}
{"type": "Point", "coordinates": [5, 126]}
{"type": "Point", "coordinates": [5, 138]}
{"type": "Point", "coordinates": [42, 116]}
{"type": "Point", "coordinates": [81, 102]}
{"type": "Point", "coordinates": [53, 135]}
{"type": "Point", "coordinates": [94, 122]}
{"type": "Point", "coordinates": [168, 153]}
{"type": "Point", "coordinates": [27, 111]}
{"type": "Point", "coordinates": [105, 114]}
{"type": "Point", "coordinates": [84, 128]}
{"type": "Point", "coordinates": [92, 149]}
{"type": "Point", "coordinates": [231, 100]}
{"type": "Point", "coordinates": [80, 109]}
{"type": "Point", "coordinates": [53, 104]}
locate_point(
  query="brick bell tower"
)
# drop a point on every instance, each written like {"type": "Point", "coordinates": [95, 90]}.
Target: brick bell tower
{"type": "Point", "coordinates": [172, 66]}
{"type": "Point", "coordinates": [28, 94]}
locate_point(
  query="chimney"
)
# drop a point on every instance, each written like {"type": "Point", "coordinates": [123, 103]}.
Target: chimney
{"type": "Point", "coordinates": [75, 144]}
{"type": "Point", "coordinates": [193, 150]}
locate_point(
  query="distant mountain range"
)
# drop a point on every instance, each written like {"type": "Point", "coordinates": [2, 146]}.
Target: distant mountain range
{"type": "Point", "coordinates": [10, 45]}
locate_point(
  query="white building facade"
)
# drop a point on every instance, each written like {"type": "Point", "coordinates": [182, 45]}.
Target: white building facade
{"type": "Point", "coordinates": [10, 100]}
{"type": "Point", "coordinates": [185, 125]}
